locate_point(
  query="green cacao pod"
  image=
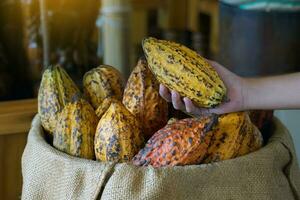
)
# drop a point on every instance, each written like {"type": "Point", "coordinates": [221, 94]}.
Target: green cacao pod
{"type": "Point", "coordinates": [118, 135]}
{"type": "Point", "coordinates": [183, 70]}
{"type": "Point", "coordinates": [102, 82]}
{"type": "Point", "coordinates": [141, 98]}
{"type": "Point", "coordinates": [76, 129]}
{"type": "Point", "coordinates": [56, 90]}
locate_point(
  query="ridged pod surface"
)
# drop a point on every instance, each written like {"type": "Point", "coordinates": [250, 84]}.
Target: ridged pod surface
{"type": "Point", "coordinates": [252, 141]}
{"type": "Point", "coordinates": [118, 135]}
{"type": "Point", "coordinates": [141, 98]}
{"type": "Point", "coordinates": [182, 142]}
{"type": "Point", "coordinates": [76, 130]}
{"type": "Point", "coordinates": [102, 82]}
{"type": "Point", "coordinates": [261, 118]}
{"type": "Point", "coordinates": [105, 105]}
{"type": "Point", "coordinates": [56, 90]}
{"type": "Point", "coordinates": [234, 135]}
{"type": "Point", "coordinates": [183, 70]}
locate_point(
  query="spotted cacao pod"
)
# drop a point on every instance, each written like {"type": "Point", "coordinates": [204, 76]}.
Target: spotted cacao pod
{"type": "Point", "coordinates": [172, 120]}
{"type": "Point", "coordinates": [56, 90]}
{"type": "Point", "coordinates": [183, 70]}
{"type": "Point", "coordinates": [182, 142]}
{"type": "Point", "coordinates": [118, 135]}
{"type": "Point", "coordinates": [261, 118]}
{"type": "Point", "coordinates": [104, 106]}
{"type": "Point", "coordinates": [141, 98]}
{"type": "Point", "coordinates": [75, 130]}
{"type": "Point", "coordinates": [102, 82]}
{"type": "Point", "coordinates": [234, 135]}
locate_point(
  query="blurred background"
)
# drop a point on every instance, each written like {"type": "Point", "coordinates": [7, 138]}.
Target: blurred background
{"type": "Point", "coordinates": [251, 38]}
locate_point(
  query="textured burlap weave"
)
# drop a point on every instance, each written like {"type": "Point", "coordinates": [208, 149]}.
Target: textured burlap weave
{"type": "Point", "coordinates": [270, 173]}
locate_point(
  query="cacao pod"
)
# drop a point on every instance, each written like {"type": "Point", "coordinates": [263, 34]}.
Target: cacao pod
{"type": "Point", "coordinates": [141, 98]}
{"type": "Point", "coordinates": [118, 135]}
{"type": "Point", "coordinates": [75, 130]}
{"type": "Point", "coordinates": [182, 142]}
{"type": "Point", "coordinates": [233, 136]}
{"type": "Point", "coordinates": [183, 70]}
{"type": "Point", "coordinates": [172, 120]}
{"type": "Point", "coordinates": [261, 118]}
{"type": "Point", "coordinates": [104, 106]}
{"type": "Point", "coordinates": [251, 142]}
{"type": "Point", "coordinates": [56, 90]}
{"type": "Point", "coordinates": [102, 82]}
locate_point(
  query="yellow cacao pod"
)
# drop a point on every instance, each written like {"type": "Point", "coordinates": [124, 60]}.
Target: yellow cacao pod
{"type": "Point", "coordinates": [233, 136]}
{"type": "Point", "coordinates": [183, 70]}
{"type": "Point", "coordinates": [141, 98]}
{"type": "Point", "coordinates": [105, 105]}
{"type": "Point", "coordinates": [102, 82]}
{"type": "Point", "coordinates": [75, 130]}
{"type": "Point", "coordinates": [118, 135]}
{"type": "Point", "coordinates": [251, 142]}
{"type": "Point", "coordinates": [56, 90]}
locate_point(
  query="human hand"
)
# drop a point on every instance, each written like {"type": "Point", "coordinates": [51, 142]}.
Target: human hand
{"type": "Point", "coordinates": [235, 97]}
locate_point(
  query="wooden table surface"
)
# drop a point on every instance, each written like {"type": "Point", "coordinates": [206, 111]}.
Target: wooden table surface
{"type": "Point", "coordinates": [15, 116]}
{"type": "Point", "coordinates": [15, 122]}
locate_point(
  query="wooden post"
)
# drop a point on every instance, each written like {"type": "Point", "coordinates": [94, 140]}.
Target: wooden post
{"type": "Point", "coordinates": [173, 15]}
{"type": "Point", "coordinates": [138, 32]}
{"type": "Point", "coordinates": [116, 34]}
{"type": "Point", "coordinates": [193, 15]}
{"type": "Point", "coordinates": [212, 9]}
{"type": "Point", "coordinates": [45, 31]}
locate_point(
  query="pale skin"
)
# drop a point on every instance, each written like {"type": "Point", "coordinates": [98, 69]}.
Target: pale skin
{"type": "Point", "coordinates": [274, 92]}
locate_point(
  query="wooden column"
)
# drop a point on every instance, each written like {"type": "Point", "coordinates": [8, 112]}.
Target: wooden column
{"type": "Point", "coordinates": [211, 7]}
{"type": "Point", "coordinates": [116, 34]}
{"type": "Point", "coordinates": [173, 15]}
{"type": "Point", "coordinates": [138, 32]}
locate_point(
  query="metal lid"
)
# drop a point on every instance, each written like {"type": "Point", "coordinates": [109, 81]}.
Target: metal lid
{"type": "Point", "coordinates": [266, 5]}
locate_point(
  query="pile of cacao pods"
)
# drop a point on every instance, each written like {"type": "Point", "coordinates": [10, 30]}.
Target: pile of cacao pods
{"type": "Point", "coordinates": [111, 121]}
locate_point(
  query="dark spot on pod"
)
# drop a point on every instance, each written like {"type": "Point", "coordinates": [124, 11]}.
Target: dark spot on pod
{"type": "Point", "coordinates": [190, 140]}
{"type": "Point", "coordinates": [142, 162]}
{"type": "Point", "coordinates": [223, 137]}
{"type": "Point", "coordinates": [212, 122]}
{"type": "Point", "coordinates": [96, 82]}
{"type": "Point", "coordinates": [198, 94]}
{"type": "Point", "coordinates": [112, 155]}
{"type": "Point", "coordinates": [218, 93]}
{"type": "Point", "coordinates": [173, 152]}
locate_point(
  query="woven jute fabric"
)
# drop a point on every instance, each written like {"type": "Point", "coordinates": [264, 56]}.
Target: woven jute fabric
{"type": "Point", "coordinates": [50, 174]}
{"type": "Point", "coordinates": [269, 173]}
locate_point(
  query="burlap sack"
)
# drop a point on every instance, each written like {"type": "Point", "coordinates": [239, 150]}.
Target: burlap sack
{"type": "Point", "coordinates": [270, 173]}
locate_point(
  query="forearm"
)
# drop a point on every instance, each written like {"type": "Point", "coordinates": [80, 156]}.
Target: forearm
{"type": "Point", "coordinates": [277, 92]}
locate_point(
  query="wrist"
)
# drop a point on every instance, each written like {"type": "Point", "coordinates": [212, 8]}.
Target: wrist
{"type": "Point", "coordinates": [246, 85]}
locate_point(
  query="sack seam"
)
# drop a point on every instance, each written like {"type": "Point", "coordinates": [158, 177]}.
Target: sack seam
{"type": "Point", "coordinates": [286, 171]}
{"type": "Point", "coordinates": [98, 193]}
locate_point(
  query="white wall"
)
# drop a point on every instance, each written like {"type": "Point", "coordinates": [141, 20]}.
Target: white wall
{"type": "Point", "coordinates": [291, 119]}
